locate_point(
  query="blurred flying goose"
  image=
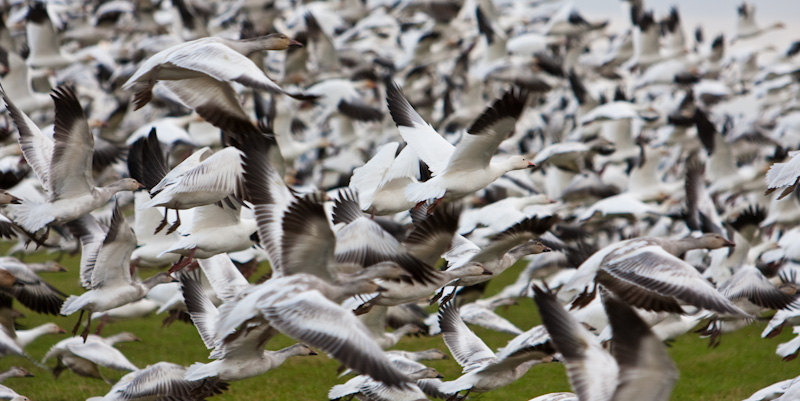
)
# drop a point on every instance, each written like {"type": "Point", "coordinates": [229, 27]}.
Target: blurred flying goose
{"type": "Point", "coordinates": [463, 169]}
{"type": "Point", "coordinates": [746, 27]}
{"type": "Point", "coordinates": [14, 371]}
{"type": "Point", "coordinates": [375, 390]}
{"type": "Point", "coordinates": [200, 179]}
{"type": "Point", "coordinates": [301, 299]}
{"type": "Point", "coordinates": [29, 289]}
{"type": "Point", "coordinates": [63, 165]}
{"type": "Point", "coordinates": [7, 393]}
{"type": "Point", "coordinates": [640, 367]}
{"type": "Point", "coordinates": [83, 356]}
{"type": "Point", "coordinates": [163, 380]}
{"type": "Point", "coordinates": [199, 73]}
{"type": "Point", "coordinates": [784, 175]}
{"type": "Point", "coordinates": [643, 250]}
{"type": "Point", "coordinates": [105, 268]}
{"type": "Point", "coordinates": [240, 358]}
{"type": "Point", "coordinates": [483, 369]}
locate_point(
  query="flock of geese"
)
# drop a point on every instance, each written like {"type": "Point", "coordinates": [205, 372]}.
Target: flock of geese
{"type": "Point", "coordinates": [387, 155]}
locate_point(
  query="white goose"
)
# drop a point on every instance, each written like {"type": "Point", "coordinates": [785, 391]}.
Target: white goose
{"type": "Point", "coordinates": [240, 358]}
{"type": "Point", "coordinates": [301, 299]}
{"type": "Point", "coordinates": [199, 73]}
{"type": "Point", "coordinates": [163, 380]}
{"type": "Point", "coordinates": [784, 176]}
{"type": "Point", "coordinates": [380, 182]}
{"type": "Point", "coordinates": [746, 27]}
{"type": "Point", "coordinates": [83, 356]}
{"type": "Point", "coordinates": [640, 368]}
{"type": "Point", "coordinates": [463, 169]}
{"type": "Point", "coordinates": [483, 369]}
{"type": "Point", "coordinates": [215, 229]}
{"type": "Point", "coordinates": [105, 268]}
{"type": "Point", "coordinates": [63, 165]}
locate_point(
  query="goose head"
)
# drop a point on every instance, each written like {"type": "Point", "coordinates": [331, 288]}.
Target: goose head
{"type": "Point", "coordinates": [518, 162]}
{"type": "Point", "coordinates": [19, 372]}
{"type": "Point", "coordinates": [714, 241]}
{"type": "Point", "coordinates": [277, 41]}
{"type": "Point", "coordinates": [6, 199]}
{"type": "Point", "coordinates": [531, 247]}
{"type": "Point", "coordinates": [52, 328]}
{"type": "Point", "coordinates": [302, 350]}
{"type": "Point", "coordinates": [126, 184]}
{"type": "Point", "coordinates": [427, 373]}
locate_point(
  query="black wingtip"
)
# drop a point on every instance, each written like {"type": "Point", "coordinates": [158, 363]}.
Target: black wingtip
{"type": "Point", "coordinates": [510, 105]}
{"type": "Point", "coordinates": [399, 107]}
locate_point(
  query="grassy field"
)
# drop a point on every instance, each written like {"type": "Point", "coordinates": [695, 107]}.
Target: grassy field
{"type": "Point", "coordinates": [742, 364]}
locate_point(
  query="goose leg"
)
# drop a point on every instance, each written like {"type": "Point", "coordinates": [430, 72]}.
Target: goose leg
{"type": "Point", "coordinates": [78, 324]}
{"type": "Point", "coordinates": [183, 262]}
{"type": "Point", "coordinates": [85, 333]}
{"type": "Point", "coordinates": [103, 321]}
{"type": "Point", "coordinates": [163, 222]}
{"type": "Point", "coordinates": [177, 223]}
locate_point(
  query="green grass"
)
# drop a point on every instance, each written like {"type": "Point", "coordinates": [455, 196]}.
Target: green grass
{"type": "Point", "coordinates": [742, 364]}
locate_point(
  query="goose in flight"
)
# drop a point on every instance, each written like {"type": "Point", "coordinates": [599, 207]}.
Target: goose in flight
{"type": "Point", "coordinates": [200, 72]}
{"type": "Point", "coordinates": [63, 165]}
{"type": "Point", "coordinates": [105, 268]}
{"type": "Point", "coordinates": [467, 167]}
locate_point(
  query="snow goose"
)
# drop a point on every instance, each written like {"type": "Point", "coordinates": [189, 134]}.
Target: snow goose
{"type": "Point", "coordinates": [17, 84]}
{"type": "Point", "coordinates": [374, 390]}
{"type": "Point", "coordinates": [784, 176]}
{"type": "Point", "coordinates": [63, 165]}
{"type": "Point", "coordinates": [589, 268]}
{"type": "Point", "coordinates": [105, 268]}
{"type": "Point", "coordinates": [746, 27]}
{"type": "Point", "coordinates": [380, 182]}
{"type": "Point", "coordinates": [480, 313]}
{"type": "Point", "coordinates": [163, 380]}
{"type": "Point", "coordinates": [483, 369]}
{"type": "Point", "coordinates": [199, 73]}
{"type": "Point", "coordinates": [83, 358]}
{"type": "Point", "coordinates": [25, 337]}
{"type": "Point", "coordinates": [375, 320]}
{"type": "Point", "coordinates": [43, 40]}
{"type": "Point", "coordinates": [240, 358]}
{"type": "Point", "coordinates": [749, 290]}
{"type": "Point", "coordinates": [648, 276]}
{"type": "Point", "coordinates": [504, 248]}
{"type": "Point", "coordinates": [363, 242]}
{"type": "Point", "coordinates": [200, 179]}
{"type": "Point", "coordinates": [301, 299]}
{"type": "Point", "coordinates": [9, 394]}
{"type": "Point", "coordinates": [151, 245]}
{"type": "Point", "coordinates": [14, 371]}
{"type": "Point", "coordinates": [29, 289]}
{"type": "Point", "coordinates": [215, 229]}
{"type": "Point", "coordinates": [640, 368]}
{"type": "Point", "coordinates": [463, 169]}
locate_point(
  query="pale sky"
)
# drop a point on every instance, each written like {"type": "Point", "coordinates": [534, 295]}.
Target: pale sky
{"type": "Point", "coordinates": [716, 16]}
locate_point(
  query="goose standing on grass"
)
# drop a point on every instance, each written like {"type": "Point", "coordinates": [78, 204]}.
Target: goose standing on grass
{"type": "Point", "coordinates": [199, 73]}
{"type": "Point", "coordinates": [239, 359]}
{"type": "Point", "coordinates": [105, 268]}
{"type": "Point", "coordinates": [467, 167]}
{"type": "Point", "coordinates": [641, 369]}
{"type": "Point", "coordinates": [63, 165]}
